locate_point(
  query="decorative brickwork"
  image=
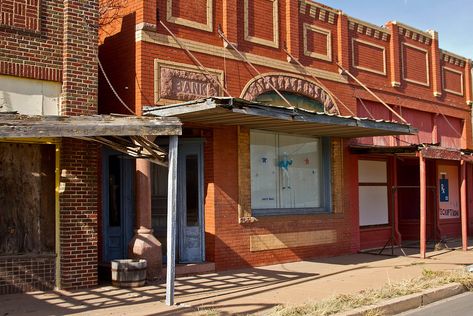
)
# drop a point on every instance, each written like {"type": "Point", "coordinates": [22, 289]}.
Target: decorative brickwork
{"type": "Point", "coordinates": [21, 14]}
{"type": "Point", "coordinates": [38, 54]}
{"type": "Point", "coordinates": [26, 273]}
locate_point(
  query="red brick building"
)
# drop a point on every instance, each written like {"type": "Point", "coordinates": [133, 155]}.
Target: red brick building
{"type": "Point", "coordinates": [363, 189]}
{"type": "Point", "coordinates": [50, 188]}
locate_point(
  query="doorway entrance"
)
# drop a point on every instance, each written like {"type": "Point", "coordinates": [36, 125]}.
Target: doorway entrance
{"type": "Point", "coordinates": [117, 205]}
{"type": "Point", "coordinates": [190, 202]}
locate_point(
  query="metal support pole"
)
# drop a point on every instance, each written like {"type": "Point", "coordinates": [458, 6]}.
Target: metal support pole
{"type": "Point", "coordinates": [464, 216]}
{"type": "Point", "coordinates": [423, 205]}
{"type": "Point", "coordinates": [172, 221]}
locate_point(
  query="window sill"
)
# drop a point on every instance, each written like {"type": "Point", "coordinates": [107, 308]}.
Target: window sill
{"type": "Point", "coordinates": [289, 212]}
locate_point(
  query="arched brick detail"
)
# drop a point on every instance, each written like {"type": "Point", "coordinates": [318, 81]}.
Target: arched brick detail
{"type": "Point", "coordinates": [289, 83]}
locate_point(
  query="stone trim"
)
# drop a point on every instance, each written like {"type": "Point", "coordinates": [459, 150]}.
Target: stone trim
{"type": "Point", "coordinates": [253, 39]}
{"type": "Point", "coordinates": [185, 22]}
{"type": "Point", "coordinates": [427, 83]}
{"type": "Point", "coordinates": [444, 68]}
{"type": "Point", "coordinates": [366, 68]}
{"type": "Point", "coordinates": [289, 83]}
{"type": "Point", "coordinates": [327, 33]}
{"type": "Point", "coordinates": [158, 64]}
{"type": "Point", "coordinates": [166, 40]}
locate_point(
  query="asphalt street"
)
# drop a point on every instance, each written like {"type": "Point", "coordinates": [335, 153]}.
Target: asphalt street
{"type": "Point", "coordinates": [458, 305]}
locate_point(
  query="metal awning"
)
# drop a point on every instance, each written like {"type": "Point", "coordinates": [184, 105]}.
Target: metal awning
{"type": "Point", "coordinates": [232, 111]}
{"type": "Point", "coordinates": [126, 134]}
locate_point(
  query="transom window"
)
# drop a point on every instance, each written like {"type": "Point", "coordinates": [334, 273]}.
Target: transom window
{"type": "Point", "coordinates": [289, 173]}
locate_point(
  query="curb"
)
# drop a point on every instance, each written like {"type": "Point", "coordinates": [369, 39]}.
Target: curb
{"type": "Point", "coordinates": [408, 302]}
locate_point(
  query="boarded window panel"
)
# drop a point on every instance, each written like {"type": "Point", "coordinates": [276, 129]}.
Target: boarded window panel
{"type": "Point", "coordinates": [416, 66]}
{"type": "Point", "coordinates": [372, 171]}
{"type": "Point", "coordinates": [373, 205]}
{"type": "Point", "coordinates": [453, 81]}
{"type": "Point", "coordinates": [27, 198]}
{"type": "Point", "coordinates": [420, 120]}
{"type": "Point", "coordinates": [368, 57]}
{"type": "Point", "coordinates": [264, 173]}
{"type": "Point", "coordinates": [301, 181]}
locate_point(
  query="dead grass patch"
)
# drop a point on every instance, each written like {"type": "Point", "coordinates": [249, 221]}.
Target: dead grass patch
{"type": "Point", "coordinates": [346, 302]}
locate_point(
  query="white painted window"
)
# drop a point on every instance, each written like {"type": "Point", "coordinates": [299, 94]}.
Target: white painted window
{"type": "Point", "coordinates": [287, 173]}
{"type": "Point", "coordinates": [29, 96]}
{"type": "Point", "coordinates": [373, 192]}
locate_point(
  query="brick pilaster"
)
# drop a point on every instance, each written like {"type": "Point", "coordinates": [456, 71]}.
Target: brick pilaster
{"type": "Point", "coordinates": [468, 92]}
{"type": "Point", "coordinates": [395, 54]}
{"type": "Point", "coordinates": [343, 40]}
{"type": "Point", "coordinates": [230, 23]}
{"type": "Point", "coordinates": [293, 38]}
{"type": "Point", "coordinates": [435, 61]}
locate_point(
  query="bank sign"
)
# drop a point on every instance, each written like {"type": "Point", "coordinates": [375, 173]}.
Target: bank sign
{"type": "Point", "coordinates": [448, 192]}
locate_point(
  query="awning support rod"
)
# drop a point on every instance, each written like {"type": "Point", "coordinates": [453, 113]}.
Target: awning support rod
{"type": "Point", "coordinates": [372, 93]}
{"type": "Point", "coordinates": [318, 82]}
{"type": "Point", "coordinates": [222, 35]}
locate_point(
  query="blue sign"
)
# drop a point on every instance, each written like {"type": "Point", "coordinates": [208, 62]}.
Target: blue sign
{"type": "Point", "coordinates": [444, 190]}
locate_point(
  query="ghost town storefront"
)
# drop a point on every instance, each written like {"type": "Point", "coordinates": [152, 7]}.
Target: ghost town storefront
{"type": "Point", "coordinates": [44, 178]}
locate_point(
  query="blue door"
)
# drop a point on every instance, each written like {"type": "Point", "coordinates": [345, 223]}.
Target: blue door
{"type": "Point", "coordinates": [117, 205]}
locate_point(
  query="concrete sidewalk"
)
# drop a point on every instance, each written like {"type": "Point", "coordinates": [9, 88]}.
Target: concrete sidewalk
{"type": "Point", "coordinates": [245, 291]}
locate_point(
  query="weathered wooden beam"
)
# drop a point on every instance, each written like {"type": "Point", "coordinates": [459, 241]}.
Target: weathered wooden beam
{"type": "Point", "coordinates": [82, 126]}
{"type": "Point", "coordinates": [172, 221]}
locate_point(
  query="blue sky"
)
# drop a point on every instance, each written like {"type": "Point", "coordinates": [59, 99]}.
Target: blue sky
{"type": "Point", "coordinates": [452, 19]}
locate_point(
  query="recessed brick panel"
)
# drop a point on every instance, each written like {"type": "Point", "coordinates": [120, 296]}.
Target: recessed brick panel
{"type": "Point", "coordinates": [195, 10]}
{"type": "Point", "coordinates": [23, 14]}
{"type": "Point", "coordinates": [453, 81]}
{"type": "Point", "coordinates": [368, 57]}
{"type": "Point", "coordinates": [258, 27]}
{"type": "Point", "coordinates": [317, 42]}
{"type": "Point", "coordinates": [415, 65]}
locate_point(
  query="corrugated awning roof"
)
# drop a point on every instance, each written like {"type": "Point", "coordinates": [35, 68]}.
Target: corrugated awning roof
{"type": "Point", "coordinates": [232, 111]}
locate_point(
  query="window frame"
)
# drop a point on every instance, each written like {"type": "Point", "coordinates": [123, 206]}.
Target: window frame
{"type": "Point", "coordinates": [326, 182]}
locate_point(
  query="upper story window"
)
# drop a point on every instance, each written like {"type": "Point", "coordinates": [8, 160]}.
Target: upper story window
{"type": "Point", "coordinates": [289, 174]}
{"type": "Point", "coordinates": [20, 14]}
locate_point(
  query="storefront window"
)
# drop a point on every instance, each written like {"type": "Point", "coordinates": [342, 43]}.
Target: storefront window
{"type": "Point", "coordinates": [289, 174]}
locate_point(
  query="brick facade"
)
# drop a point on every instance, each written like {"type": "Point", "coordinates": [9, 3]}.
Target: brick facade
{"type": "Point", "coordinates": [401, 64]}
{"type": "Point", "coordinates": [57, 41]}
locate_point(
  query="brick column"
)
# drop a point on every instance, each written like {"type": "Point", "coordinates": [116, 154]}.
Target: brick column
{"type": "Point", "coordinates": [293, 38]}
{"type": "Point", "coordinates": [394, 54]}
{"type": "Point", "coordinates": [79, 203]}
{"type": "Point", "coordinates": [343, 40]}
{"type": "Point", "coordinates": [144, 245]}
{"type": "Point", "coordinates": [435, 61]}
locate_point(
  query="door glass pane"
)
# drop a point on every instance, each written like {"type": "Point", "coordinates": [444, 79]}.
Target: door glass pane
{"type": "Point", "coordinates": [114, 184]}
{"type": "Point", "coordinates": [192, 190]}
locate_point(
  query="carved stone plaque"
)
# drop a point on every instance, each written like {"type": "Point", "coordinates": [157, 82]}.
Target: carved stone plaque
{"type": "Point", "coordinates": [186, 85]}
